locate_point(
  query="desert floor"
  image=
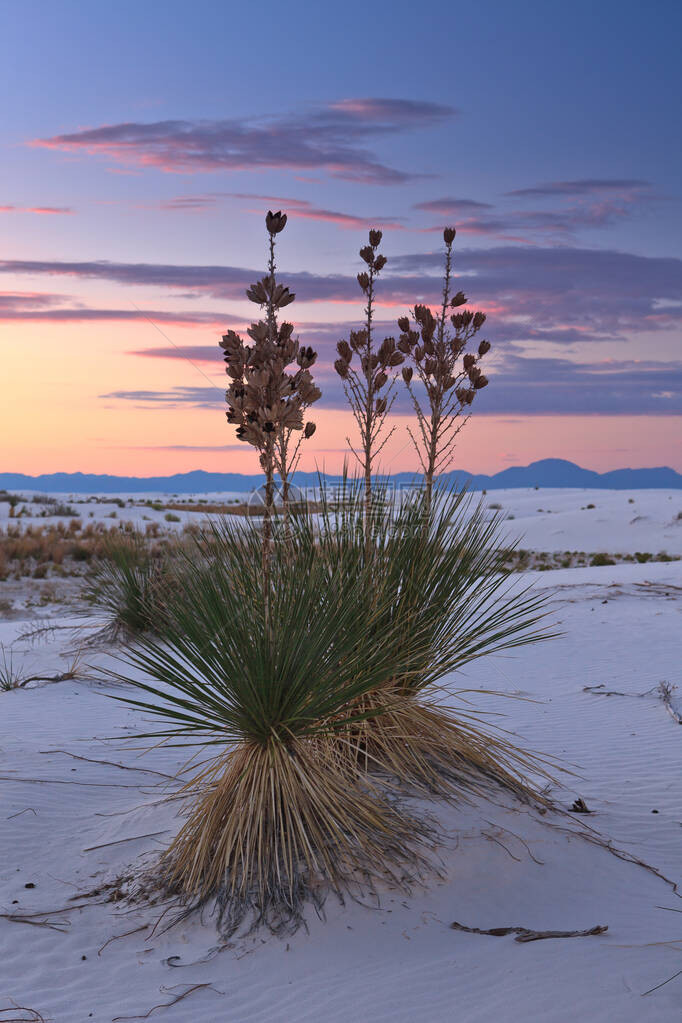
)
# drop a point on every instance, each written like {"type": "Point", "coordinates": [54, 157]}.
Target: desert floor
{"type": "Point", "coordinates": [80, 803]}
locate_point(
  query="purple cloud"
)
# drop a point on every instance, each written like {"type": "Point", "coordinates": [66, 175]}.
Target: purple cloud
{"type": "Point", "coordinates": [333, 138]}
{"type": "Point", "coordinates": [584, 187]}
{"type": "Point", "coordinates": [519, 385]}
{"type": "Point", "coordinates": [557, 294]}
{"type": "Point", "coordinates": [449, 207]}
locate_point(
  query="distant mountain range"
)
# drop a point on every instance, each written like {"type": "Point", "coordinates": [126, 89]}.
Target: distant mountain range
{"type": "Point", "coordinates": [549, 472]}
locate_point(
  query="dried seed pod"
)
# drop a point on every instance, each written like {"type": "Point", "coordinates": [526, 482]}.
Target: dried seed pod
{"type": "Point", "coordinates": [257, 293]}
{"type": "Point", "coordinates": [449, 235]}
{"type": "Point", "coordinates": [484, 347]}
{"type": "Point", "coordinates": [380, 380]}
{"type": "Point", "coordinates": [341, 367]}
{"type": "Point", "coordinates": [375, 238]}
{"type": "Point", "coordinates": [386, 349]}
{"type": "Point", "coordinates": [310, 428]}
{"type": "Point", "coordinates": [275, 222]}
{"type": "Point", "coordinates": [281, 296]}
{"type": "Point", "coordinates": [407, 373]}
{"type": "Point", "coordinates": [380, 406]}
{"type": "Point", "coordinates": [363, 280]}
{"type": "Point", "coordinates": [344, 350]}
{"type": "Point", "coordinates": [395, 359]}
{"type": "Point", "coordinates": [404, 324]}
{"type": "Point", "coordinates": [379, 263]}
{"type": "Point", "coordinates": [367, 253]}
{"type": "Point", "coordinates": [480, 382]}
{"type": "Point", "coordinates": [459, 299]}
{"type": "Point", "coordinates": [479, 320]}
{"type": "Point", "coordinates": [468, 361]}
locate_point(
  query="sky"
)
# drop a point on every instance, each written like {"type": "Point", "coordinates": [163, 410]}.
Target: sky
{"type": "Point", "coordinates": [144, 143]}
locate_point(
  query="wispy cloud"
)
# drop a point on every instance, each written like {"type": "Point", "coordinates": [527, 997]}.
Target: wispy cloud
{"type": "Point", "coordinates": [587, 203]}
{"type": "Point", "coordinates": [42, 210]}
{"type": "Point", "coordinates": [559, 294]}
{"type": "Point", "coordinates": [295, 208]}
{"type": "Point", "coordinates": [449, 207]}
{"type": "Point", "coordinates": [334, 138]}
{"type": "Point", "coordinates": [584, 187]}
{"type": "Point", "coordinates": [49, 308]}
{"type": "Point", "coordinates": [519, 385]}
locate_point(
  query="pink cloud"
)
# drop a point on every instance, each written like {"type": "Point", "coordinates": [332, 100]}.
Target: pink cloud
{"type": "Point", "coordinates": [43, 210]}
{"type": "Point", "coordinates": [332, 137]}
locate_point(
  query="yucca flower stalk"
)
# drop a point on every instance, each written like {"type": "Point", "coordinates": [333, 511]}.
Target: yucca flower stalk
{"type": "Point", "coordinates": [369, 387]}
{"type": "Point", "coordinates": [266, 400]}
{"type": "Point", "coordinates": [449, 375]}
{"type": "Point", "coordinates": [279, 812]}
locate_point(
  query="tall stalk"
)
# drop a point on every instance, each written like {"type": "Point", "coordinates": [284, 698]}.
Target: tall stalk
{"type": "Point", "coordinates": [448, 384]}
{"type": "Point", "coordinates": [265, 401]}
{"type": "Point", "coordinates": [363, 385]}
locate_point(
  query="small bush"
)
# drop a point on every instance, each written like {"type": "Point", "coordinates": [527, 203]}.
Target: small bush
{"type": "Point", "coordinates": [128, 586]}
{"type": "Point", "coordinates": [643, 557]}
{"type": "Point", "coordinates": [600, 560]}
{"type": "Point", "coordinates": [171, 517]}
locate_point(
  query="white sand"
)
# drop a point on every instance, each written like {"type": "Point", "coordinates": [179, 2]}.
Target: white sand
{"type": "Point", "coordinates": [401, 961]}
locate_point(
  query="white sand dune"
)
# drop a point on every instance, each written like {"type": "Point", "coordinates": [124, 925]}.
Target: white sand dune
{"type": "Point", "coordinates": [504, 864]}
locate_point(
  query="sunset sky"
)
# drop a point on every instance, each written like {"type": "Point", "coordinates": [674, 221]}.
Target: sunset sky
{"type": "Point", "coordinates": [142, 143]}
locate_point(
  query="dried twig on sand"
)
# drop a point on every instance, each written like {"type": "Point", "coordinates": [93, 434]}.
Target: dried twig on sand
{"type": "Point", "coordinates": [165, 1005]}
{"type": "Point", "coordinates": [526, 934]}
{"type": "Point", "coordinates": [33, 1017]}
{"type": "Point", "coordinates": [665, 691]}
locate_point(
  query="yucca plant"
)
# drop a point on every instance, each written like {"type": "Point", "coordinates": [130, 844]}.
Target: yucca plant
{"type": "Point", "coordinates": [279, 813]}
{"type": "Point", "coordinates": [128, 585]}
{"type": "Point", "coordinates": [437, 572]}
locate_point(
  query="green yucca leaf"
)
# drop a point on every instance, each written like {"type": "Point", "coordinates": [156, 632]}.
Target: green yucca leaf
{"type": "Point", "coordinates": [223, 669]}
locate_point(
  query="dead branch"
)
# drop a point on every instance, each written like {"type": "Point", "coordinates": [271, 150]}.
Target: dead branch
{"type": "Point", "coordinates": [679, 972]}
{"type": "Point", "coordinates": [524, 934]}
{"type": "Point", "coordinates": [165, 1005]}
{"type": "Point", "coordinates": [665, 691]}
{"type": "Point", "coordinates": [596, 839]}
{"type": "Point", "coordinates": [35, 1016]}
{"type": "Point", "coordinates": [109, 763]}
{"type": "Point", "coordinates": [120, 841]}
{"type": "Point", "coordinates": [13, 918]}
{"type": "Point", "coordinates": [115, 937]}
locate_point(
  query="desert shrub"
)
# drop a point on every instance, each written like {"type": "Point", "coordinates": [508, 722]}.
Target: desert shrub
{"type": "Point", "coordinates": [600, 560]}
{"type": "Point", "coordinates": [128, 585]}
{"type": "Point", "coordinates": [643, 557]}
{"type": "Point", "coordinates": [170, 517]}
{"type": "Point", "coordinates": [63, 510]}
{"type": "Point", "coordinates": [270, 676]}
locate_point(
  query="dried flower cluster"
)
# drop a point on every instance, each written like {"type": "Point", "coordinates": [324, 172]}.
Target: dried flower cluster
{"type": "Point", "coordinates": [450, 376]}
{"type": "Point", "coordinates": [370, 381]}
{"type": "Point", "coordinates": [267, 398]}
